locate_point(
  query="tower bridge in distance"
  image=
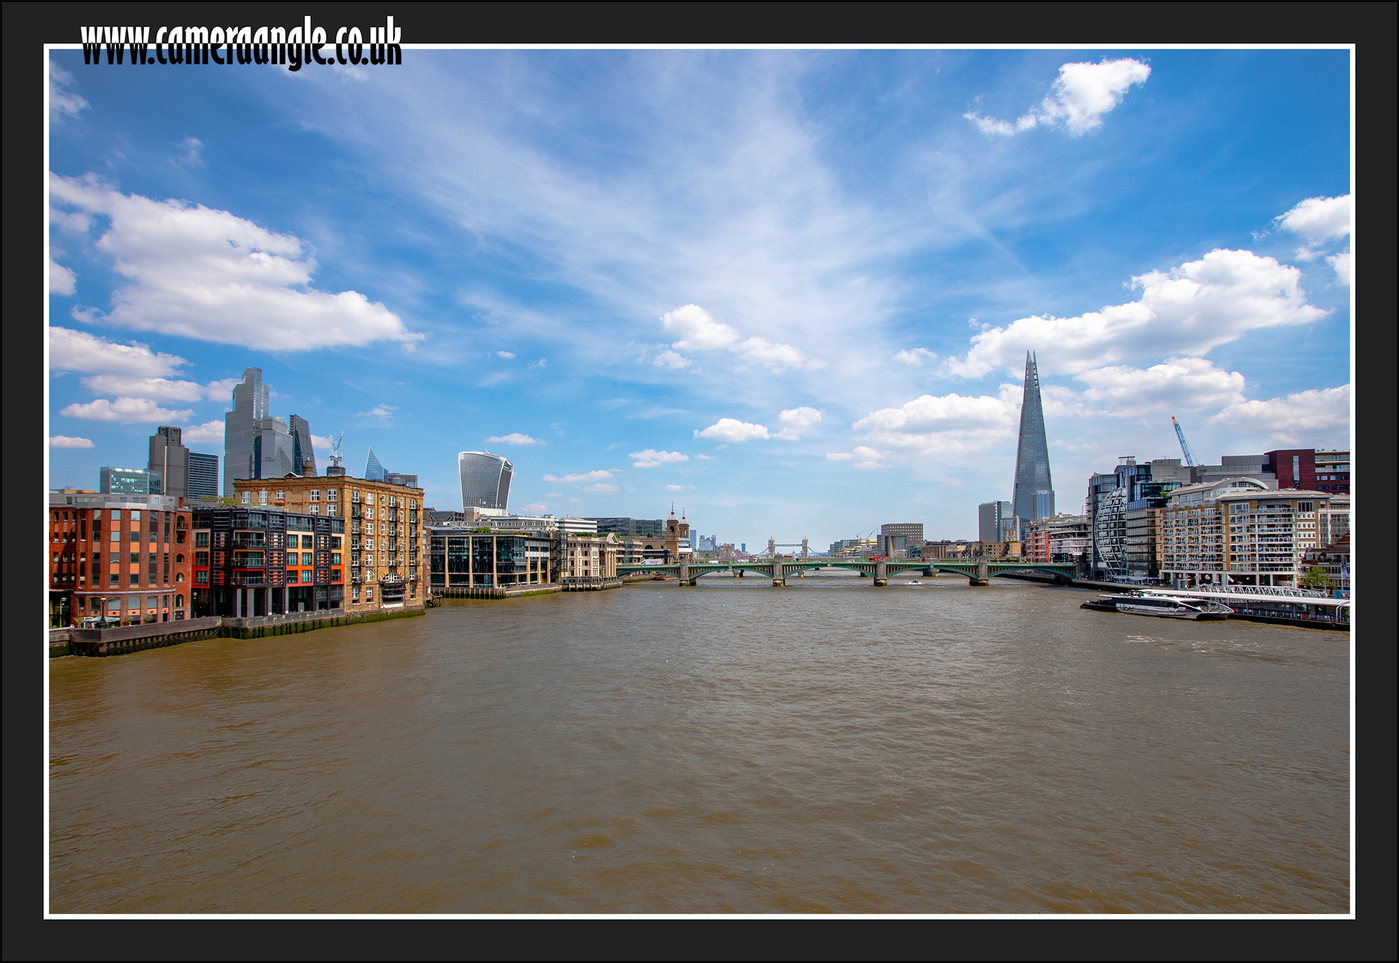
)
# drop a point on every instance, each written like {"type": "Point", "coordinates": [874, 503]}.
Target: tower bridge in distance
{"type": "Point", "coordinates": [979, 571]}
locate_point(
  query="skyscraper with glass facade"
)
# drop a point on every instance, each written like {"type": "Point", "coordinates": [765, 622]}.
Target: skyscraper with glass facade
{"type": "Point", "coordinates": [171, 459]}
{"type": "Point", "coordinates": [257, 445]}
{"type": "Point", "coordinates": [1034, 492]}
{"type": "Point", "coordinates": [203, 475]}
{"type": "Point", "coordinates": [485, 480]}
{"type": "Point", "coordinates": [373, 469]}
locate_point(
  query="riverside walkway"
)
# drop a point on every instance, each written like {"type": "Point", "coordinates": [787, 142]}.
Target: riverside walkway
{"type": "Point", "coordinates": [978, 571]}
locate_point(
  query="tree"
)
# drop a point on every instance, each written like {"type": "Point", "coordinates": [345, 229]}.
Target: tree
{"type": "Point", "coordinates": [1316, 578]}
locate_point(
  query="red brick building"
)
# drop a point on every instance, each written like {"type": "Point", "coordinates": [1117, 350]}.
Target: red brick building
{"type": "Point", "coordinates": [122, 558]}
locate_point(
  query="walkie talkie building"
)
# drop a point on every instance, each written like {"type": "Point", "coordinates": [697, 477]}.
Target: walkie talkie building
{"type": "Point", "coordinates": [1034, 492]}
{"type": "Point", "coordinates": [485, 480]}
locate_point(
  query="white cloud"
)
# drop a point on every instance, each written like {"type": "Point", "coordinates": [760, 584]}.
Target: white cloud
{"type": "Point", "coordinates": [1317, 417]}
{"type": "Point", "coordinates": [191, 152]}
{"type": "Point", "coordinates": [795, 422]}
{"type": "Point", "coordinates": [678, 488]}
{"type": "Point", "coordinates": [1196, 307]}
{"type": "Point", "coordinates": [697, 330]}
{"type": "Point", "coordinates": [705, 457]}
{"type": "Point", "coordinates": [507, 355]}
{"type": "Point", "coordinates": [381, 410]}
{"type": "Point", "coordinates": [68, 441]}
{"type": "Point", "coordinates": [514, 438]}
{"type": "Point", "coordinates": [536, 508]}
{"type": "Point", "coordinates": [671, 359]}
{"type": "Point", "coordinates": [71, 350]}
{"type": "Point", "coordinates": [579, 478]}
{"type": "Point", "coordinates": [211, 433]}
{"type": "Point", "coordinates": [947, 425]}
{"type": "Point", "coordinates": [651, 458]}
{"type": "Point", "coordinates": [126, 411]}
{"type": "Point", "coordinates": [61, 280]}
{"type": "Point", "coordinates": [63, 96]}
{"type": "Point", "coordinates": [868, 459]}
{"type": "Point", "coordinates": [777, 357]}
{"type": "Point", "coordinates": [731, 429]}
{"type": "Point", "coordinates": [164, 389]}
{"type": "Point", "coordinates": [1319, 219]}
{"type": "Point", "coordinates": [1177, 383]}
{"type": "Point", "coordinates": [1342, 265]}
{"type": "Point", "coordinates": [1081, 95]}
{"type": "Point", "coordinates": [601, 487]}
{"type": "Point", "coordinates": [541, 363]}
{"type": "Point", "coordinates": [915, 357]}
{"type": "Point", "coordinates": [838, 456]}
{"type": "Point", "coordinates": [319, 442]}
{"type": "Point", "coordinates": [209, 275]}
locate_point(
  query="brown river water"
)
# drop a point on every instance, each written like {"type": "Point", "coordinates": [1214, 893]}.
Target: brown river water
{"type": "Point", "coordinates": [727, 748]}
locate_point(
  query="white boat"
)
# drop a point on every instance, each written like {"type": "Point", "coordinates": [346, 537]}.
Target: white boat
{"type": "Point", "coordinates": [1161, 606]}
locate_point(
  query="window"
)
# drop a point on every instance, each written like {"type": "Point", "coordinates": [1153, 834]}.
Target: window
{"type": "Point", "coordinates": [315, 494]}
{"type": "Point", "coordinates": [247, 497]}
{"type": "Point", "coordinates": [262, 496]}
{"type": "Point", "coordinates": [331, 495]}
{"type": "Point", "coordinates": [369, 498]}
{"type": "Point", "coordinates": [281, 495]}
{"type": "Point", "coordinates": [135, 516]}
{"type": "Point", "coordinates": [315, 509]}
{"type": "Point", "coordinates": [330, 510]}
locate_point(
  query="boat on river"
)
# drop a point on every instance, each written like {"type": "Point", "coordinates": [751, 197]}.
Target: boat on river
{"type": "Point", "coordinates": [1161, 605]}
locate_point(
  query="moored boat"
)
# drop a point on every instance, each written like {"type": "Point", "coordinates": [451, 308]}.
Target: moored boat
{"type": "Point", "coordinates": [1161, 606]}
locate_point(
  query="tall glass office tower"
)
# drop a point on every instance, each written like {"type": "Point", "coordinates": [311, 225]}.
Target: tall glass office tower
{"type": "Point", "coordinates": [373, 470]}
{"type": "Point", "coordinates": [485, 480]}
{"type": "Point", "coordinates": [171, 459]}
{"type": "Point", "coordinates": [303, 450]}
{"type": "Point", "coordinates": [256, 445]}
{"type": "Point", "coordinates": [1034, 492]}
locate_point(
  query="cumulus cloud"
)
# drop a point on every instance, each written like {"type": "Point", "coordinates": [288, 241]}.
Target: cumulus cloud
{"type": "Point", "coordinates": [536, 508]}
{"type": "Point", "coordinates": [601, 487]}
{"type": "Point", "coordinates": [68, 441]}
{"type": "Point", "coordinates": [61, 280]}
{"type": "Point", "coordinates": [947, 424]}
{"type": "Point", "coordinates": [507, 355]}
{"type": "Point", "coordinates": [1081, 95]}
{"type": "Point", "coordinates": [64, 99]}
{"type": "Point", "coordinates": [164, 389]}
{"type": "Point", "coordinates": [671, 359]}
{"type": "Point", "coordinates": [577, 479]}
{"type": "Point", "coordinates": [1177, 383]}
{"type": "Point", "coordinates": [514, 438]}
{"type": "Point", "coordinates": [1320, 417]}
{"type": "Point", "coordinates": [381, 411]}
{"type": "Point", "coordinates": [678, 488]}
{"type": "Point", "coordinates": [1319, 219]}
{"type": "Point", "coordinates": [1341, 264]}
{"type": "Point", "coordinates": [211, 433]}
{"type": "Point", "coordinates": [126, 411]}
{"type": "Point", "coordinates": [795, 422]}
{"type": "Point", "coordinates": [838, 456]}
{"type": "Point", "coordinates": [867, 459]}
{"type": "Point", "coordinates": [650, 458]}
{"type": "Point", "coordinates": [71, 350]}
{"type": "Point", "coordinates": [1194, 307]}
{"type": "Point", "coordinates": [206, 274]}
{"type": "Point", "coordinates": [698, 331]}
{"type": "Point", "coordinates": [915, 357]}
{"type": "Point", "coordinates": [731, 429]}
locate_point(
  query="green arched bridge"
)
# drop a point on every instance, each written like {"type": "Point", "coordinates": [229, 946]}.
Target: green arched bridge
{"type": "Point", "coordinates": [978, 571]}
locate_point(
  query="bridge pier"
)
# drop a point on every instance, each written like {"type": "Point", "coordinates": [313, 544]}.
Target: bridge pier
{"type": "Point", "coordinates": [684, 573]}
{"type": "Point", "coordinates": [881, 573]}
{"type": "Point", "coordinates": [778, 580]}
{"type": "Point", "coordinates": [983, 573]}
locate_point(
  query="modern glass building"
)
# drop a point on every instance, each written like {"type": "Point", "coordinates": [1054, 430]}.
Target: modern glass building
{"type": "Point", "coordinates": [373, 469]}
{"type": "Point", "coordinates": [256, 445]}
{"type": "Point", "coordinates": [485, 480]}
{"type": "Point", "coordinates": [203, 475]}
{"type": "Point", "coordinates": [1034, 492]}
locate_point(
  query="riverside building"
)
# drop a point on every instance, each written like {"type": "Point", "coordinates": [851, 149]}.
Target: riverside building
{"type": "Point", "coordinates": [1239, 532]}
{"type": "Point", "coordinates": [386, 566]}
{"type": "Point", "coordinates": [258, 560]}
{"type": "Point", "coordinates": [118, 558]}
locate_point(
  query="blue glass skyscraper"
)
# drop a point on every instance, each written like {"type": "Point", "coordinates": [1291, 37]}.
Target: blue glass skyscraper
{"type": "Point", "coordinates": [1034, 492]}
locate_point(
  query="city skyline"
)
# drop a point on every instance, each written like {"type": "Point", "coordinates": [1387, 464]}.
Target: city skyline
{"type": "Point", "coordinates": [788, 289]}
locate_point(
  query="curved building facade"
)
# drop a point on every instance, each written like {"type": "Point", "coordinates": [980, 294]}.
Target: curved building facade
{"type": "Point", "coordinates": [485, 480]}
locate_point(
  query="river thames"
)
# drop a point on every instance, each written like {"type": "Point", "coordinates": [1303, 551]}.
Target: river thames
{"type": "Point", "coordinates": [727, 748]}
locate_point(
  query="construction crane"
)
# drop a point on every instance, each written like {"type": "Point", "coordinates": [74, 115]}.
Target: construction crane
{"type": "Point", "coordinates": [337, 450]}
{"type": "Point", "coordinates": [1184, 445]}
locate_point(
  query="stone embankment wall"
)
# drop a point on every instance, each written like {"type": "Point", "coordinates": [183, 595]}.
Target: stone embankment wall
{"type": "Point", "coordinates": [119, 640]}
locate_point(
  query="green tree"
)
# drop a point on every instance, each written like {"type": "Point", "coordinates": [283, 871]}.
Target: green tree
{"type": "Point", "coordinates": [1316, 578]}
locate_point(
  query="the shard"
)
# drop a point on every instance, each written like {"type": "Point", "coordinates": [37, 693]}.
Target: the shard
{"type": "Point", "coordinates": [1034, 492]}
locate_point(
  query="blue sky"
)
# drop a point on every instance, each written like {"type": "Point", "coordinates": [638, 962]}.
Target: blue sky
{"type": "Point", "coordinates": [789, 290]}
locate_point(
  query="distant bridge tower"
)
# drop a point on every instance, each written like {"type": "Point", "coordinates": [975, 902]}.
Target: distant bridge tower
{"type": "Point", "coordinates": [772, 547]}
{"type": "Point", "coordinates": [806, 548]}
